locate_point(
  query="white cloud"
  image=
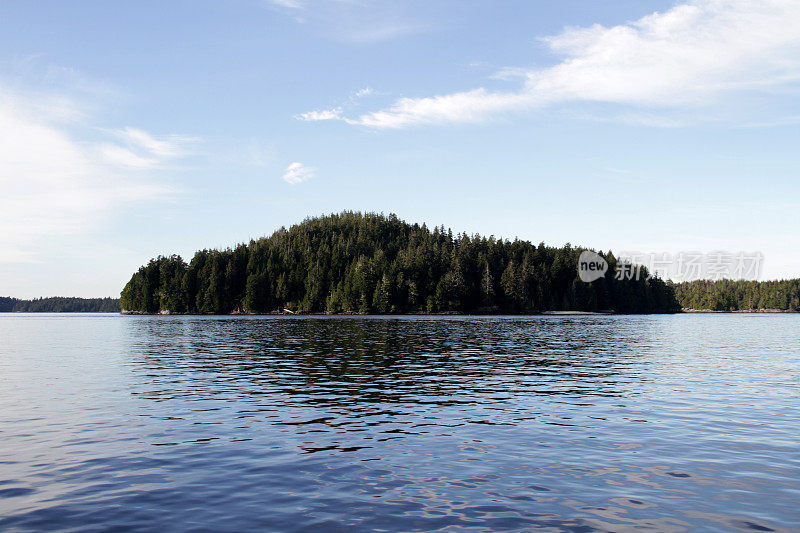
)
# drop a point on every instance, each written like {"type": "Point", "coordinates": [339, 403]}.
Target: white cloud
{"type": "Point", "coordinates": [325, 114]}
{"type": "Point", "coordinates": [297, 173]}
{"type": "Point", "coordinates": [289, 4]}
{"type": "Point", "coordinates": [337, 113]}
{"type": "Point", "coordinates": [470, 106]}
{"type": "Point", "coordinates": [141, 150]}
{"type": "Point", "coordinates": [688, 56]}
{"type": "Point", "coordinates": [169, 146]}
{"type": "Point", "coordinates": [115, 154]}
{"type": "Point", "coordinates": [372, 31]}
{"type": "Point", "coordinates": [53, 184]}
{"type": "Point", "coordinates": [366, 91]}
{"type": "Point", "coordinates": [353, 21]}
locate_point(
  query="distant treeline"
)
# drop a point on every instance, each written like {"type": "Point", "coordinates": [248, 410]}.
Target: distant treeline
{"type": "Point", "coordinates": [728, 295]}
{"type": "Point", "coordinates": [369, 263]}
{"type": "Point", "coordinates": [59, 304]}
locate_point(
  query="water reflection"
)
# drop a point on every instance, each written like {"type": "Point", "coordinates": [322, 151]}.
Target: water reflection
{"type": "Point", "coordinates": [410, 424]}
{"type": "Point", "coordinates": [394, 360]}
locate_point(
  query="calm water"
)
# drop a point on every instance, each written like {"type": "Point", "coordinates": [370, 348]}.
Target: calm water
{"type": "Point", "coordinates": [581, 423]}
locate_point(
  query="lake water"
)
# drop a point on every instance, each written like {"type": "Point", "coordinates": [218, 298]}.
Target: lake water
{"type": "Point", "coordinates": [566, 423]}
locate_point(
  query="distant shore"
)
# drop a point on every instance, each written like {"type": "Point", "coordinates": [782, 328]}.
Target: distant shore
{"type": "Point", "coordinates": [59, 304]}
{"type": "Point", "coordinates": [687, 310]}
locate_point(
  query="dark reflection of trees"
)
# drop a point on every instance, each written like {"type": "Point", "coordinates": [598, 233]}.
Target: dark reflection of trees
{"type": "Point", "coordinates": [347, 361]}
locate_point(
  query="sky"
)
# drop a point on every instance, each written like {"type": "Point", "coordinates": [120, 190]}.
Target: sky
{"type": "Point", "coordinates": [134, 129]}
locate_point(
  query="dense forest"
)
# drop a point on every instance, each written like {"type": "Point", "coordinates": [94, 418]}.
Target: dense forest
{"type": "Point", "coordinates": [729, 295]}
{"type": "Point", "coordinates": [59, 304]}
{"type": "Point", "coordinates": [369, 263]}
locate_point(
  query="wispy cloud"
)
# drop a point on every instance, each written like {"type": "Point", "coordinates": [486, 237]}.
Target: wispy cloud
{"type": "Point", "coordinates": [297, 173]}
{"type": "Point", "coordinates": [372, 31]}
{"type": "Point", "coordinates": [117, 155]}
{"type": "Point", "coordinates": [353, 21]}
{"type": "Point", "coordinates": [289, 4]}
{"type": "Point", "coordinates": [324, 114]}
{"type": "Point", "coordinates": [337, 113]}
{"type": "Point", "coordinates": [366, 91]}
{"type": "Point", "coordinates": [686, 57]}
{"type": "Point", "coordinates": [136, 148]}
{"type": "Point", "coordinates": [163, 147]}
{"type": "Point", "coordinates": [54, 182]}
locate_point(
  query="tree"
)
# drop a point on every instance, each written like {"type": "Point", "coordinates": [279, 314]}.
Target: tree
{"type": "Point", "coordinates": [487, 287]}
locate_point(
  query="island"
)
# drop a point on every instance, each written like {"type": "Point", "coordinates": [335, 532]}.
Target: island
{"type": "Point", "coordinates": [368, 263]}
{"type": "Point", "coordinates": [59, 304]}
{"type": "Point", "coordinates": [744, 296]}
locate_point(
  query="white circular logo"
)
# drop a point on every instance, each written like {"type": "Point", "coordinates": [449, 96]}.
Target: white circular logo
{"type": "Point", "coordinates": [591, 266]}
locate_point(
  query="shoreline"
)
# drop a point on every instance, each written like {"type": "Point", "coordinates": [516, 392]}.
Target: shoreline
{"type": "Point", "coordinates": [356, 313]}
{"type": "Point", "coordinates": [767, 311]}
{"type": "Point", "coordinates": [453, 313]}
{"type": "Point", "coordinates": [449, 313]}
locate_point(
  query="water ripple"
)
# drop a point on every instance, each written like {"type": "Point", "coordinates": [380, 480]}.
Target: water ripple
{"type": "Point", "coordinates": [594, 423]}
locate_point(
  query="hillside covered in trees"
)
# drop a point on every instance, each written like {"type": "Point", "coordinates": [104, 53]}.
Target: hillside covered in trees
{"type": "Point", "coordinates": [369, 263]}
{"type": "Point", "coordinates": [59, 304]}
{"type": "Point", "coordinates": [729, 295]}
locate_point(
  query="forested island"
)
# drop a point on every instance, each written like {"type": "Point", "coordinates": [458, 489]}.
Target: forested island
{"type": "Point", "coordinates": [59, 304]}
{"type": "Point", "coordinates": [730, 295]}
{"type": "Point", "coordinates": [369, 263]}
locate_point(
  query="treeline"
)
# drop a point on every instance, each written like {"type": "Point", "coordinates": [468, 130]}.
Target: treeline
{"type": "Point", "coordinates": [369, 263]}
{"type": "Point", "coordinates": [60, 304]}
{"type": "Point", "coordinates": [729, 295]}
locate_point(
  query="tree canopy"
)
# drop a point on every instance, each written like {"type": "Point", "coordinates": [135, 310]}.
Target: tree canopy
{"type": "Point", "coordinates": [370, 263]}
{"type": "Point", "coordinates": [730, 295]}
{"type": "Point", "coordinates": [59, 304]}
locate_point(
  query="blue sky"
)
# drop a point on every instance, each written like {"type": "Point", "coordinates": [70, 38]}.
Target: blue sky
{"type": "Point", "coordinates": [129, 130]}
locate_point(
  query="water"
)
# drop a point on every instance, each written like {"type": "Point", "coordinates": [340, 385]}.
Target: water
{"type": "Point", "coordinates": [576, 423]}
